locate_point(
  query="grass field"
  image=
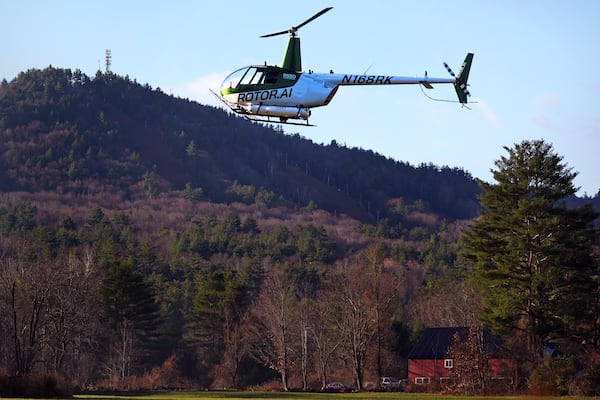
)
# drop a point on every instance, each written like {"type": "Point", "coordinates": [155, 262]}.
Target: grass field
{"type": "Point", "coordinates": [316, 396]}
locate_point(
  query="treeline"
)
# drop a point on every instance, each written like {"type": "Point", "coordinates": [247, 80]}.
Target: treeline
{"type": "Point", "coordinates": [62, 130]}
{"type": "Point", "coordinates": [212, 301]}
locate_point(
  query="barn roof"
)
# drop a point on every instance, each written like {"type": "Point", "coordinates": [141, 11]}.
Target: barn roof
{"type": "Point", "coordinates": [434, 343]}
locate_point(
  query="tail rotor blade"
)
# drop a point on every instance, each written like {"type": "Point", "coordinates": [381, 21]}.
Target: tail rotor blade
{"type": "Point", "coordinates": [449, 70]}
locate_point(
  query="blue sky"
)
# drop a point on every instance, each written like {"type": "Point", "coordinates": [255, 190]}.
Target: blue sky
{"type": "Point", "coordinates": [534, 75]}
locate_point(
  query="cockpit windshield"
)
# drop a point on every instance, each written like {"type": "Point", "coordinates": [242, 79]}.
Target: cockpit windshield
{"type": "Point", "coordinates": [233, 79]}
{"type": "Point", "coordinates": [243, 76]}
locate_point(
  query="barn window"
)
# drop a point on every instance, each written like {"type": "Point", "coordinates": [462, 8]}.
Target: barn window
{"type": "Point", "coordinates": [448, 363]}
{"type": "Point", "coordinates": [422, 380]}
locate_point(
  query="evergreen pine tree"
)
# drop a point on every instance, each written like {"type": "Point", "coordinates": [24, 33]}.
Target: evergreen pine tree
{"type": "Point", "coordinates": [532, 255]}
{"type": "Point", "coordinates": [134, 320]}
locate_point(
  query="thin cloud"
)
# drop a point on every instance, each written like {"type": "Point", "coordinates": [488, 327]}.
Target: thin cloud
{"type": "Point", "coordinates": [488, 113]}
{"type": "Point", "coordinates": [548, 100]}
{"type": "Point", "coordinates": [548, 103]}
{"type": "Point", "coordinates": [199, 88]}
{"type": "Point", "coordinates": [542, 121]}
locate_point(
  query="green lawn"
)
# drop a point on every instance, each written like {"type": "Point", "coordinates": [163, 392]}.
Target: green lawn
{"type": "Point", "coordinates": [316, 396]}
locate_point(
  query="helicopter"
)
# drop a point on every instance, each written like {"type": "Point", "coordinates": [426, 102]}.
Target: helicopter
{"type": "Point", "coordinates": [270, 93]}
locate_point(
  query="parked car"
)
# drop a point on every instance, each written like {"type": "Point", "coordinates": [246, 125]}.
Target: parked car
{"type": "Point", "coordinates": [389, 383]}
{"type": "Point", "coordinates": [339, 387]}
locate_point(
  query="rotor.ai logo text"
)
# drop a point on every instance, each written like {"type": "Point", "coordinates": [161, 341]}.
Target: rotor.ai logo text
{"type": "Point", "coordinates": [264, 95]}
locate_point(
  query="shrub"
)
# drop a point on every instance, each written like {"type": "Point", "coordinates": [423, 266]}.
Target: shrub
{"type": "Point", "coordinates": [551, 378]}
{"type": "Point", "coordinates": [34, 385]}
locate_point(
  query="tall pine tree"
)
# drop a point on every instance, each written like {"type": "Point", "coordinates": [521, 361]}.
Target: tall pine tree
{"type": "Point", "coordinates": [220, 303]}
{"type": "Point", "coordinates": [133, 321]}
{"type": "Point", "coordinates": [531, 255]}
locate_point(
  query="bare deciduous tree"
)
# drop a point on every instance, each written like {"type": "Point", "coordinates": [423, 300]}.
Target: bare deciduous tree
{"type": "Point", "coordinates": [454, 303]}
{"type": "Point", "coordinates": [384, 293]}
{"type": "Point", "coordinates": [357, 321]}
{"type": "Point", "coordinates": [271, 323]}
{"type": "Point", "coordinates": [324, 333]}
{"type": "Point", "coordinates": [25, 292]}
{"type": "Point", "coordinates": [49, 315]}
{"type": "Point", "coordinates": [226, 373]}
{"type": "Point", "coordinates": [470, 369]}
{"type": "Point", "coordinates": [73, 313]}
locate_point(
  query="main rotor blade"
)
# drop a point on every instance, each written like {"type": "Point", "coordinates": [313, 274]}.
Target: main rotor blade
{"type": "Point", "coordinates": [317, 15]}
{"type": "Point", "coordinates": [293, 29]}
{"type": "Point", "coordinates": [276, 33]}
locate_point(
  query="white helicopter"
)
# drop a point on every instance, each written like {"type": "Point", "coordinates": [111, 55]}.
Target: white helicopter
{"type": "Point", "coordinates": [264, 92]}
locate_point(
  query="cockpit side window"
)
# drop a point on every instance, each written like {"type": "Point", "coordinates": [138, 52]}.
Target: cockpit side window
{"type": "Point", "coordinates": [257, 79]}
{"type": "Point", "coordinates": [252, 77]}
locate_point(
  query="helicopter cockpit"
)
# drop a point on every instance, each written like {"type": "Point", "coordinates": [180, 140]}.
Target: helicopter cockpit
{"type": "Point", "coordinates": [247, 77]}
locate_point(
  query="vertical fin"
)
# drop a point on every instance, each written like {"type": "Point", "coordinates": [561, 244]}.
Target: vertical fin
{"type": "Point", "coordinates": [461, 84]}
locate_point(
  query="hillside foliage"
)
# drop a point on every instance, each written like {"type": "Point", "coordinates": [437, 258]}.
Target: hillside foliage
{"type": "Point", "coordinates": [151, 242]}
{"type": "Point", "coordinates": [62, 131]}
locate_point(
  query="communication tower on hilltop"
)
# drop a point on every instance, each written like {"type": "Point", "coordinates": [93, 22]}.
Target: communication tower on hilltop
{"type": "Point", "coordinates": [108, 58]}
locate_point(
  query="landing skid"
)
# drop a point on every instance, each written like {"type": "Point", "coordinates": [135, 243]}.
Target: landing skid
{"type": "Point", "coordinates": [273, 120]}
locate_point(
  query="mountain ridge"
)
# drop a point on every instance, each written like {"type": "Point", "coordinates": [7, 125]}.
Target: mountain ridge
{"type": "Point", "coordinates": [115, 130]}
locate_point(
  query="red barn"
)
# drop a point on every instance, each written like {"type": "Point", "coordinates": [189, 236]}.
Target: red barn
{"type": "Point", "coordinates": [429, 361]}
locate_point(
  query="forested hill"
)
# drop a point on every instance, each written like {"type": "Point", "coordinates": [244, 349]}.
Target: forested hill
{"type": "Point", "coordinates": [152, 242]}
{"type": "Point", "coordinates": [65, 132]}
